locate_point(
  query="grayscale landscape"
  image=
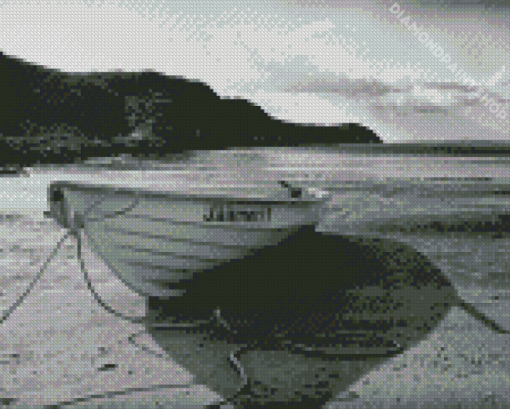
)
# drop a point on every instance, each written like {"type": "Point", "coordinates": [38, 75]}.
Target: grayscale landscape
{"type": "Point", "coordinates": [255, 204]}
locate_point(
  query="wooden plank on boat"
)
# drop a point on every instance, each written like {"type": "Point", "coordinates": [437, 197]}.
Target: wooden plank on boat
{"type": "Point", "coordinates": [193, 233]}
{"type": "Point", "coordinates": [143, 244]}
{"type": "Point", "coordinates": [129, 258]}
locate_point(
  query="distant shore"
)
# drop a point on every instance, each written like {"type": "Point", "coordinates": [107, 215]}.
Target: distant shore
{"type": "Point", "coordinates": [130, 162]}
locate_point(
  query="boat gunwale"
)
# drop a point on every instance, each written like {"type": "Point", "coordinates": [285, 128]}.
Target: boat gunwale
{"type": "Point", "coordinates": [144, 192]}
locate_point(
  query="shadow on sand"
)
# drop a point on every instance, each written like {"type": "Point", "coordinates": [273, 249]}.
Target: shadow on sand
{"type": "Point", "coordinates": [304, 320]}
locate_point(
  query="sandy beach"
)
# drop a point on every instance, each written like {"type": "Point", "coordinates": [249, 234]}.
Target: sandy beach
{"type": "Point", "coordinates": [60, 347]}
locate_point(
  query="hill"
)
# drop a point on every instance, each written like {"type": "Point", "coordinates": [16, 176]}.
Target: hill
{"type": "Point", "coordinates": [50, 116]}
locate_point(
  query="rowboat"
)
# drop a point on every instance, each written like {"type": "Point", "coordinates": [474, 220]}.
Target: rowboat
{"type": "Point", "coordinates": [172, 211]}
{"type": "Point", "coordinates": [156, 242]}
{"type": "Point", "coordinates": [158, 239]}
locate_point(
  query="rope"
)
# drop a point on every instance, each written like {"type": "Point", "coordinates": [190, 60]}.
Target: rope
{"type": "Point", "coordinates": [77, 231]}
{"type": "Point", "coordinates": [20, 300]}
{"type": "Point", "coordinates": [78, 234]}
{"type": "Point", "coordinates": [131, 339]}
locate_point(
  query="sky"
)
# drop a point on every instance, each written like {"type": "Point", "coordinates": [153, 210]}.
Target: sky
{"type": "Point", "coordinates": [415, 70]}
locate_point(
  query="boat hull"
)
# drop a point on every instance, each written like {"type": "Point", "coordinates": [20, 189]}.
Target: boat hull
{"type": "Point", "coordinates": [157, 243]}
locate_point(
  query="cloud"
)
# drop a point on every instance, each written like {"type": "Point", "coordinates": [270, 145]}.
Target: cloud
{"type": "Point", "coordinates": [450, 86]}
{"type": "Point", "coordinates": [104, 37]}
{"type": "Point", "coordinates": [339, 4]}
{"type": "Point", "coordinates": [461, 3]}
{"type": "Point", "coordinates": [419, 98]}
{"type": "Point", "coordinates": [350, 88]}
{"type": "Point", "coordinates": [305, 107]}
